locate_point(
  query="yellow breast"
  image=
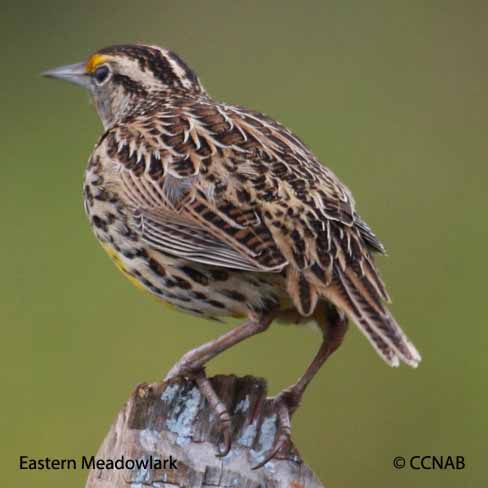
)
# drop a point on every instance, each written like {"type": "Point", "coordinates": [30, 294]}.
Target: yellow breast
{"type": "Point", "coordinates": [114, 255]}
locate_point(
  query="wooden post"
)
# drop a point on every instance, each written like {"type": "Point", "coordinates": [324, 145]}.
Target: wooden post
{"type": "Point", "coordinates": [171, 421]}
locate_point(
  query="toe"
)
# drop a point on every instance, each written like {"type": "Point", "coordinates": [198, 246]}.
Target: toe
{"type": "Point", "coordinates": [224, 448]}
{"type": "Point", "coordinates": [284, 431]}
{"type": "Point", "coordinates": [216, 404]}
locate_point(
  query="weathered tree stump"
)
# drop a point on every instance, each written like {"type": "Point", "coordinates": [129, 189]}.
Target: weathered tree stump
{"type": "Point", "coordinates": [164, 420]}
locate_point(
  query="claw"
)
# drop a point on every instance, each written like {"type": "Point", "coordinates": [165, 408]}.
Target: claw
{"type": "Point", "coordinates": [226, 431]}
{"type": "Point", "coordinates": [284, 430]}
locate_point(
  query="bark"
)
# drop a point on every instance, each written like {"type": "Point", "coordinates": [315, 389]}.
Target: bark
{"type": "Point", "coordinates": [172, 419]}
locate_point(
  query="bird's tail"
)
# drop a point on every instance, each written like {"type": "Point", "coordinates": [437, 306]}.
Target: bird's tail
{"type": "Point", "coordinates": [362, 296]}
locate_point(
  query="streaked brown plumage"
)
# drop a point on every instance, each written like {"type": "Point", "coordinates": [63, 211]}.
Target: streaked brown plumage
{"type": "Point", "coordinates": [222, 211]}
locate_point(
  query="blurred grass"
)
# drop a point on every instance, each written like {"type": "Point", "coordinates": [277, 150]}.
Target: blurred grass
{"type": "Point", "coordinates": [392, 96]}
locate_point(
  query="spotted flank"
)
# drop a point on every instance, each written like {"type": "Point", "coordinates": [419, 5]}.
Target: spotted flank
{"type": "Point", "coordinates": [222, 211]}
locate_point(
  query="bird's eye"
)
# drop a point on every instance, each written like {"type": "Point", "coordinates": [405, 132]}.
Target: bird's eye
{"type": "Point", "coordinates": [101, 74]}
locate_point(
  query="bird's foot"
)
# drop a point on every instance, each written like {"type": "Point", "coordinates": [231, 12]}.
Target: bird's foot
{"type": "Point", "coordinates": [216, 404]}
{"type": "Point", "coordinates": [285, 404]}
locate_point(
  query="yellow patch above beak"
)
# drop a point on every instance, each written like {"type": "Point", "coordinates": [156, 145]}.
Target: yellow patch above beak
{"type": "Point", "coordinates": [95, 61]}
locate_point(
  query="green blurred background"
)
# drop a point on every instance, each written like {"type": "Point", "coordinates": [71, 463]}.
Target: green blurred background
{"type": "Point", "coordinates": [391, 95]}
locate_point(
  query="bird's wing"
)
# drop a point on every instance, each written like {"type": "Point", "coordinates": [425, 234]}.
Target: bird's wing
{"type": "Point", "coordinates": [190, 240]}
{"type": "Point", "coordinates": [241, 187]}
{"type": "Point", "coordinates": [161, 171]}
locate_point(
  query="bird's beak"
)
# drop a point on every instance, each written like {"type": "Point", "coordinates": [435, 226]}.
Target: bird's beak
{"type": "Point", "coordinates": [73, 73]}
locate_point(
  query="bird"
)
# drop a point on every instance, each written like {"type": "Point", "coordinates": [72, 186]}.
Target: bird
{"type": "Point", "coordinates": [221, 211]}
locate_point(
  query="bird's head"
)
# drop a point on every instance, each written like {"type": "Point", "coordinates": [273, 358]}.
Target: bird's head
{"type": "Point", "coordinates": [123, 78]}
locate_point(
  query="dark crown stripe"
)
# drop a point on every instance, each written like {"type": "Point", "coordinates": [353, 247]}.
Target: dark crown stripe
{"type": "Point", "coordinates": [157, 62]}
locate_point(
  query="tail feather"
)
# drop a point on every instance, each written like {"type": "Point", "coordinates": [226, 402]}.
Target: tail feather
{"type": "Point", "coordinates": [369, 271]}
{"type": "Point", "coordinates": [380, 346]}
{"type": "Point", "coordinates": [364, 305]}
{"type": "Point", "coordinates": [302, 292]}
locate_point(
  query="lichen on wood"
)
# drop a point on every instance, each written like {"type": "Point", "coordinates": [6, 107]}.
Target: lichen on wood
{"type": "Point", "coordinates": [173, 419]}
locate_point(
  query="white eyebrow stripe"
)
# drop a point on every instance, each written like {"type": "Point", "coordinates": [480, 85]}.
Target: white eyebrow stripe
{"type": "Point", "coordinates": [179, 72]}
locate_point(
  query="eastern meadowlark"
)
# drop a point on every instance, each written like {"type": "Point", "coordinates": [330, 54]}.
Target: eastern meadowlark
{"type": "Point", "coordinates": [221, 211]}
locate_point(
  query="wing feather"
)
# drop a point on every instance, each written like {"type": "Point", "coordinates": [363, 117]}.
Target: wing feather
{"type": "Point", "coordinates": [174, 236]}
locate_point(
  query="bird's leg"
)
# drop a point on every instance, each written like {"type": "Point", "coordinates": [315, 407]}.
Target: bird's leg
{"type": "Point", "coordinates": [196, 358]}
{"type": "Point", "coordinates": [288, 400]}
{"type": "Point", "coordinates": [193, 361]}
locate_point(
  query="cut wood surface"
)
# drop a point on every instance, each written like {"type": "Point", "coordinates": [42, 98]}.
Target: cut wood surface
{"type": "Point", "coordinates": [164, 421]}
